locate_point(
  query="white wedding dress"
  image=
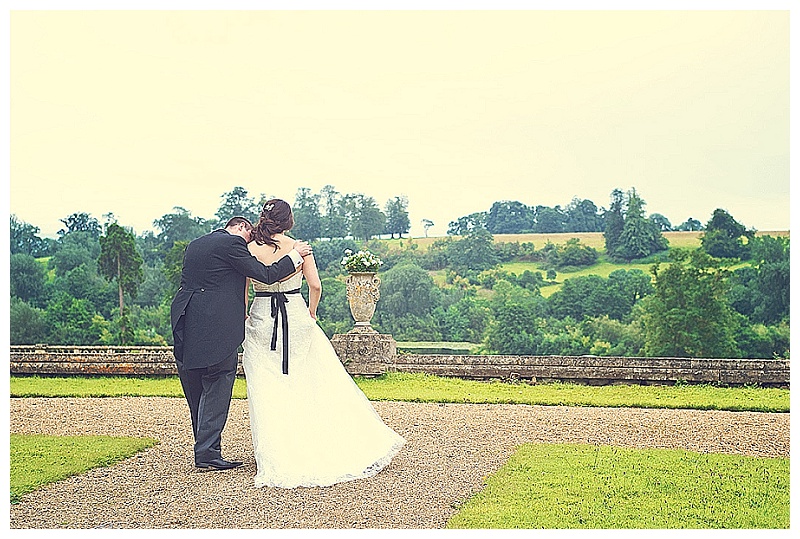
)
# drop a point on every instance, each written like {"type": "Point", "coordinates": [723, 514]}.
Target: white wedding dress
{"type": "Point", "coordinates": [312, 426]}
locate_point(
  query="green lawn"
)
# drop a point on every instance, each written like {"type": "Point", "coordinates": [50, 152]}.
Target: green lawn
{"type": "Point", "coordinates": [599, 487]}
{"type": "Point", "coordinates": [420, 387]}
{"type": "Point", "coordinates": [602, 268]}
{"type": "Point", "coordinates": [426, 388]}
{"type": "Point", "coordinates": [37, 460]}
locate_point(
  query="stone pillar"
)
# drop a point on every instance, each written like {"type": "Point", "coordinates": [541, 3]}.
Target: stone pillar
{"type": "Point", "coordinates": [365, 351]}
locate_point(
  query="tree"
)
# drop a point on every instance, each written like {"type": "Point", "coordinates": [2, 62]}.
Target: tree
{"type": "Point", "coordinates": [772, 263]}
{"type": "Point", "coordinates": [614, 219]}
{"type": "Point", "coordinates": [743, 294]}
{"type": "Point", "coordinates": [509, 217]}
{"type": "Point", "coordinates": [173, 264]}
{"type": "Point", "coordinates": [640, 237]}
{"type": "Point", "coordinates": [583, 216]}
{"type": "Point", "coordinates": [582, 296]}
{"type": "Point", "coordinates": [80, 222]}
{"type": "Point", "coordinates": [549, 220]}
{"type": "Point", "coordinates": [725, 237]}
{"type": "Point", "coordinates": [408, 290]}
{"type": "Point", "coordinates": [426, 224]}
{"type": "Point", "coordinates": [397, 216]}
{"type": "Point", "coordinates": [464, 321]}
{"type": "Point", "coordinates": [474, 252]}
{"type": "Point", "coordinates": [595, 296]}
{"type": "Point", "coordinates": [179, 226]}
{"type": "Point", "coordinates": [24, 239]}
{"type": "Point", "coordinates": [435, 257]}
{"type": "Point", "coordinates": [333, 315]}
{"type": "Point", "coordinates": [762, 342]}
{"type": "Point", "coordinates": [27, 325]}
{"type": "Point", "coordinates": [531, 280]}
{"type": "Point", "coordinates": [333, 214]}
{"type": "Point", "coordinates": [516, 327]}
{"type": "Point", "coordinates": [72, 321]}
{"type": "Point", "coordinates": [150, 325]}
{"type": "Point", "coordinates": [688, 314]}
{"type": "Point", "coordinates": [150, 247]}
{"type": "Point", "coordinates": [631, 286]}
{"type": "Point", "coordinates": [466, 224]}
{"type": "Point", "coordinates": [28, 278]}
{"type": "Point", "coordinates": [155, 287]}
{"type": "Point", "coordinates": [236, 203]}
{"type": "Point", "coordinates": [661, 222]}
{"type": "Point", "coordinates": [571, 254]}
{"type": "Point", "coordinates": [119, 260]}
{"type": "Point", "coordinates": [368, 219]}
{"type": "Point", "coordinates": [328, 254]}
{"type": "Point", "coordinates": [690, 224]}
{"type": "Point", "coordinates": [408, 298]}
{"type": "Point", "coordinates": [74, 249]}
{"type": "Point", "coordinates": [84, 282]}
{"type": "Point", "coordinates": [611, 337]}
{"type": "Point", "coordinates": [307, 219]}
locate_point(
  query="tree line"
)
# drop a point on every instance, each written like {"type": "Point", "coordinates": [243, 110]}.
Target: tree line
{"type": "Point", "coordinates": [102, 284]}
{"type": "Point", "coordinates": [580, 215]}
{"type": "Point", "coordinates": [691, 303]}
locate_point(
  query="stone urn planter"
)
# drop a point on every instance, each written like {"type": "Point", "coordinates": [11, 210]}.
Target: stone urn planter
{"type": "Point", "coordinates": [363, 292]}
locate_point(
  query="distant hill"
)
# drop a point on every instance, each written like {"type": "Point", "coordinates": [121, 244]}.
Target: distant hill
{"type": "Point", "coordinates": [592, 239]}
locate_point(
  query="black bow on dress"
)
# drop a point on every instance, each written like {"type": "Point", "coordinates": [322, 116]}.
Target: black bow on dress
{"type": "Point", "coordinates": [278, 306]}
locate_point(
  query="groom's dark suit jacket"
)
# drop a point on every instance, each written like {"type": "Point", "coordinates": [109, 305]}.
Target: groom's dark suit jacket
{"type": "Point", "coordinates": [208, 312]}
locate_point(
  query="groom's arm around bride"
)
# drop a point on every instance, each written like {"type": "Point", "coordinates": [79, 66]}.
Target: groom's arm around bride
{"type": "Point", "coordinates": [208, 311]}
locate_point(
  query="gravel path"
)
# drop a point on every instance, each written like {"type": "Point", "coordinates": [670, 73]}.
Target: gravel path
{"type": "Point", "coordinates": [450, 449]}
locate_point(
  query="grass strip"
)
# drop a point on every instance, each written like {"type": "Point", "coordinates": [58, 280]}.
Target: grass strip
{"type": "Point", "coordinates": [418, 387]}
{"type": "Point", "coordinates": [101, 386]}
{"type": "Point", "coordinates": [37, 460]}
{"type": "Point", "coordinates": [598, 487]}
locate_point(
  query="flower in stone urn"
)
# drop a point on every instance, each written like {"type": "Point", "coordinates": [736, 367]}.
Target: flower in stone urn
{"type": "Point", "coordinates": [361, 262]}
{"type": "Point", "coordinates": [362, 287]}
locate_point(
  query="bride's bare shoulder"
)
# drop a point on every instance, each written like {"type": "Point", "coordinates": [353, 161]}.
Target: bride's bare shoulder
{"type": "Point", "coordinates": [261, 251]}
{"type": "Point", "coordinates": [255, 247]}
{"type": "Point", "coordinates": [284, 242]}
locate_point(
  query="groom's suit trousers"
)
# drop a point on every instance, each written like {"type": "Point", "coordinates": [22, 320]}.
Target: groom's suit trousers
{"type": "Point", "coordinates": [208, 391]}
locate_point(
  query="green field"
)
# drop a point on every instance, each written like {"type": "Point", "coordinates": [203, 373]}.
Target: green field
{"type": "Point", "coordinates": [592, 239]}
{"type": "Point", "coordinates": [603, 267]}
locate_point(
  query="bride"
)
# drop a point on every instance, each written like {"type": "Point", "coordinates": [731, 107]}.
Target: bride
{"type": "Point", "coordinates": [311, 424]}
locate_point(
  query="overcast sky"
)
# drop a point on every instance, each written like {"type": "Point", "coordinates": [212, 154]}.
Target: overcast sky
{"type": "Point", "coordinates": [136, 112]}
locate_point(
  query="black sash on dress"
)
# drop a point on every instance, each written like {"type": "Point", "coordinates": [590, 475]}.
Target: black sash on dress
{"type": "Point", "coordinates": [279, 301]}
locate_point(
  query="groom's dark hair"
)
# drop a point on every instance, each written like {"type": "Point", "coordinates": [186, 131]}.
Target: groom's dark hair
{"type": "Point", "coordinates": [236, 221]}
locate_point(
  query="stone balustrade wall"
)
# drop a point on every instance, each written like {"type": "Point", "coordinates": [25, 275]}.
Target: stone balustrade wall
{"type": "Point", "coordinates": [157, 360]}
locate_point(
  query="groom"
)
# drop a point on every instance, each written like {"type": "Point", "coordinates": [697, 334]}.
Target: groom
{"type": "Point", "coordinates": [208, 315]}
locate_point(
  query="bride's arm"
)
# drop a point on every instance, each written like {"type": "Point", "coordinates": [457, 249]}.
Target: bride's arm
{"type": "Point", "coordinates": [246, 296]}
{"type": "Point", "coordinates": [314, 284]}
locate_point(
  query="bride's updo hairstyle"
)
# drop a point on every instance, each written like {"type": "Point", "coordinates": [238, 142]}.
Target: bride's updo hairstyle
{"type": "Point", "coordinates": [276, 218]}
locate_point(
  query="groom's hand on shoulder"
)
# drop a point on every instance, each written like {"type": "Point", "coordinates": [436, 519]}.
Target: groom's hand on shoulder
{"type": "Point", "coordinates": [303, 248]}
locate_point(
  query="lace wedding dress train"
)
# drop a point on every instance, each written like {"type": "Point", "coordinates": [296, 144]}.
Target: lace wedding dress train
{"type": "Point", "coordinates": [312, 426]}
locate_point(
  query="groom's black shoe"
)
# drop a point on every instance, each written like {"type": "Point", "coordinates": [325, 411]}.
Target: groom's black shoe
{"type": "Point", "coordinates": [218, 464]}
